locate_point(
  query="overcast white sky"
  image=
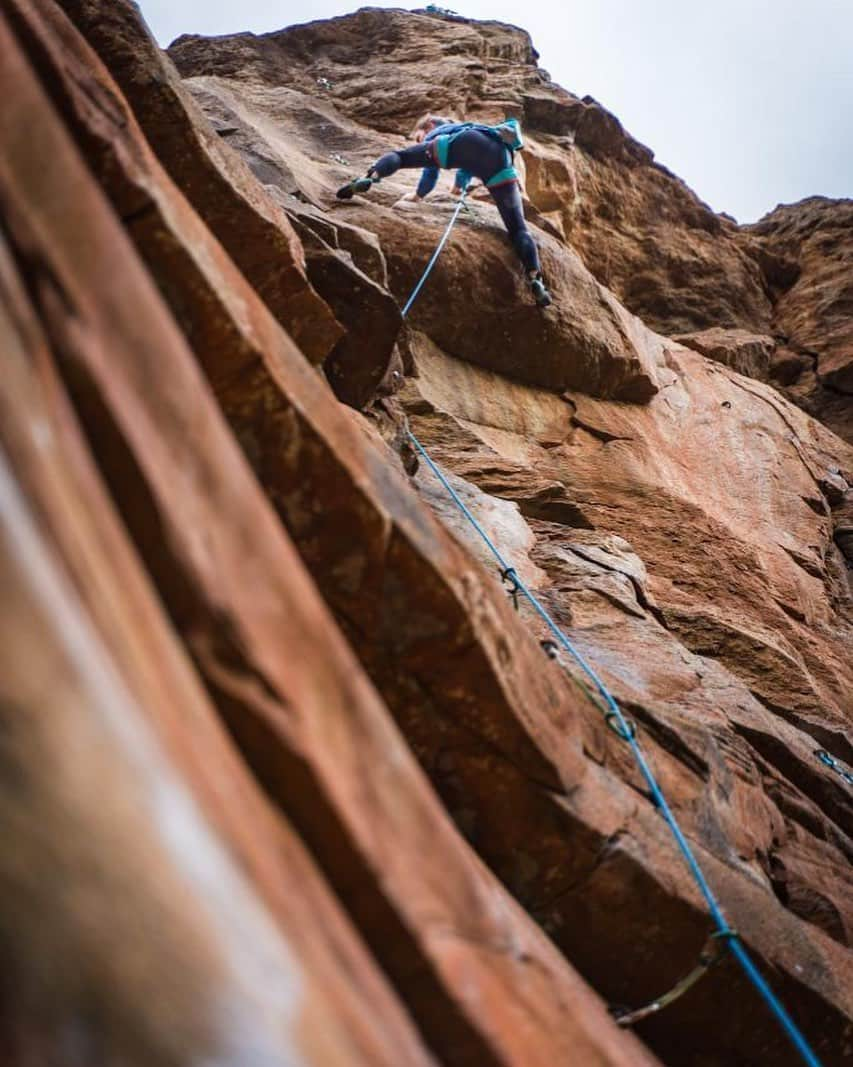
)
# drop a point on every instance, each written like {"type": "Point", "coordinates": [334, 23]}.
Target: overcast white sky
{"type": "Point", "coordinates": [750, 101]}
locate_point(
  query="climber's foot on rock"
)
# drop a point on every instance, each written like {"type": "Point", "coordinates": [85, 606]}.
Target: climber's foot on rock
{"type": "Point", "coordinates": [357, 185]}
{"type": "Point", "coordinates": [540, 293]}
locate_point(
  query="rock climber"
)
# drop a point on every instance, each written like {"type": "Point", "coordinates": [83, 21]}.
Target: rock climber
{"type": "Point", "coordinates": [478, 150]}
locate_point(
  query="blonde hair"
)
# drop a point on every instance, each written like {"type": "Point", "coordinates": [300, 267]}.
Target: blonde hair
{"type": "Point", "coordinates": [427, 121]}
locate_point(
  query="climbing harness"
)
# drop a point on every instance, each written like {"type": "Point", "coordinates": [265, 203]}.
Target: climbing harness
{"type": "Point", "coordinates": [833, 764]}
{"type": "Point", "coordinates": [627, 731]}
{"type": "Point", "coordinates": [711, 953]}
{"type": "Point", "coordinates": [503, 177]}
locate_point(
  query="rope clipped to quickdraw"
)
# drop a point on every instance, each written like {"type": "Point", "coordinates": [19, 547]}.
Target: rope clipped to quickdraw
{"type": "Point", "coordinates": [627, 731]}
{"type": "Point", "coordinates": [833, 764]}
{"type": "Point", "coordinates": [514, 591]}
{"type": "Point", "coordinates": [624, 728]}
{"type": "Point", "coordinates": [712, 952]}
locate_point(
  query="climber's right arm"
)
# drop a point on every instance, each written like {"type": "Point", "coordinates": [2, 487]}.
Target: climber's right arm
{"type": "Point", "coordinates": [429, 176]}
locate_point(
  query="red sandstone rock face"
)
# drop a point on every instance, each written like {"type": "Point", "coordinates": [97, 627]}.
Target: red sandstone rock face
{"type": "Point", "coordinates": [686, 525]}
{"type": "Point", "coordinates": [588, 341]}
{"type": "Point", "coordinates": [194, 916]}
{"type": "Point", "coordinates": [247, 220]}
{"type": "Point", "coordinates": [748, 353]}
{"type": "Point", "coordinates": [190, 912]}
{"type": "Point", "coordinates": [637, 227]}
{"type": "Point", "coordinates": [762, 647]}
{"type": "Point", "coordinates": [815, 314]}
{"type": "Point", "coordinates": [478, 974]}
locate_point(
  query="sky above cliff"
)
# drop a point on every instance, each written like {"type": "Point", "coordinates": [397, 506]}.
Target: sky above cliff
{"type": "Point", "coordinates": [750, 101]}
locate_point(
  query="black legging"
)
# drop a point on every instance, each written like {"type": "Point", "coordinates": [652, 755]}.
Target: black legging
{"type": "Point", "coordinates": [483, 156]}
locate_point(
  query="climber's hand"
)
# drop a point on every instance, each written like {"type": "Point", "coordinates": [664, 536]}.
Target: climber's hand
{"type": "Point", "coordinates": [411, 197]}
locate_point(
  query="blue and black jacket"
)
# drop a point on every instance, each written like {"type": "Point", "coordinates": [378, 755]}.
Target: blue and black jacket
{"type": "Point", "coordinates": [438, 146]}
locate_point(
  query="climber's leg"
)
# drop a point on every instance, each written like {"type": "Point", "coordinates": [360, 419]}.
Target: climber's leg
{"type": "Point", "coordinates": [508, 200]}
{"type": "Point", "coordinates": [507, 197]}
{"type": "Point", "coordinates": [414, 156]}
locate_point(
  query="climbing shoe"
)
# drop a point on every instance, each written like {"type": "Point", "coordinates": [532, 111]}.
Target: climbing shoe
{"type": "Point", "coordinates": [540, 293]}
{"type": "Point", "coordinates": [357, 185]}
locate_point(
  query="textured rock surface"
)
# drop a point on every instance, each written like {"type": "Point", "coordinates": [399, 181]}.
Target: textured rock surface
{"type": "Point", "coordinates": [251, 220]}
{"type": "Point", "coordinates": [689, 527]}
{"type": "Point", "coordinates": [747, 353]}
{"type": "Point", "coordinates": [640, 230]}
{"type": "Point", "coordinates": [637, 227]}
{"type": "Point", "coordinates": [755, 599]}
{"type": "Point", "coordinates": [742, 623]}
{"type": "Point", "coordinates": [194, 917]}
{"type": "Point", "coordinates": [588, 341]}
{"type": "Point", "coordinates": [815, 315]}
{"type": "Point", "coordinates": [817, 311]}
{"type": "Point", "coordinates": [250, 224]}
{"type": "Point", "coordinates": [480, 977]}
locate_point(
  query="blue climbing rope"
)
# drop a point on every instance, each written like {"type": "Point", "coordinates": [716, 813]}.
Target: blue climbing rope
{"type": "Point", "coordinates": [627, 731]}
{"type": "Point", "coordinates": [435, 256]}
{"type": "Point", "coordinates": [624, 728]}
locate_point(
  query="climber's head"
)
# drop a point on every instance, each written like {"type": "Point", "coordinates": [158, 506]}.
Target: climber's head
{"type": "Point", "coordinates": [427, 123]}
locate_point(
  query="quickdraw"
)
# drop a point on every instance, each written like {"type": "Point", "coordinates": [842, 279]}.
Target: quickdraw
{"type": "Point", "coordinates": [833, 764]}
{"type": "Point", "coordinates": [712, 952]}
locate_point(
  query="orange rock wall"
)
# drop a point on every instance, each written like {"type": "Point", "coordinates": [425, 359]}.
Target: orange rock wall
{"type": "Point", "coordinates": [368, 819]}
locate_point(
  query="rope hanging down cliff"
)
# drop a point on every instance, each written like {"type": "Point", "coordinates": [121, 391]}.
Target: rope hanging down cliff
{"type": "Point", "coordinates": [435, 256]}
{"type": "Point", "coordinates": [624, 728]}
